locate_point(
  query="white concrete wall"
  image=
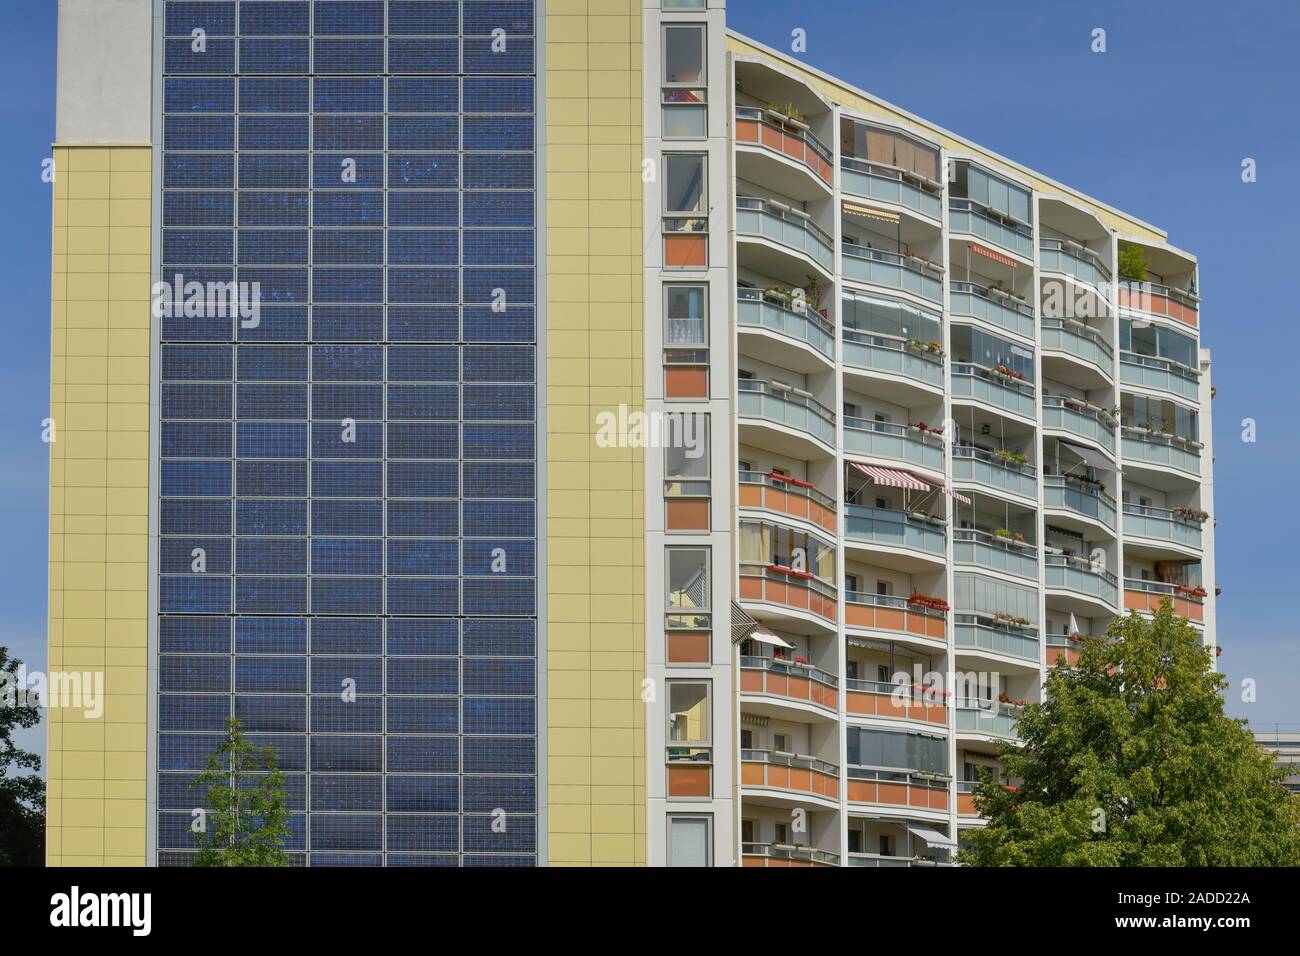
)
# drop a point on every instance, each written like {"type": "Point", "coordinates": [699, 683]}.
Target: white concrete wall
{"type": "Point", "coordinates": [105, 69]}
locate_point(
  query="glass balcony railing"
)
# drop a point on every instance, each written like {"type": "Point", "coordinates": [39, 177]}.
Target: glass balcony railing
{"type": "Point", "coordinates": [1066, 572]}
{"type": "Point", "coordinates": [784, 226]}
{"type": "Point", "coordinates": [887, 353]}
{"type": "Point", "coordinates": [773, 131]}
{"type": "Point", "coordinates": [785, 855]}
{"type": "Point", "coordinates": [1160, 299]}
{"type": "Point", "coordinates": [990, 717]}
{"type": "Point", "coordinates": [995, 552]}
{"type": "Point", "coordinates": [992, 388]}
{"type": "Point", "coordinates": [968, 216]}
{"type": "Point", "coordinates": [1080, 497]}
{"type": "Point", "coordinates": [992, 306]}
{"type": "Point", "coordinates": [896, 529]}
{"type": "Point", "coordinates": [764, 400]}
{"type": "Point", "coordinates": [892, 270]}
{"type": "Point", "coordinates": [891, 185]}
{"type": "Point", "coordinates": [1080, 420]}
{"type": "Point", "coordinates": [1148, 371]}
{"type": "Point", "coordinates": [989, 469]}
{"type": "Point", "coordinates": [1080, 341]}
{"type": "Point", "coordinates": [1161, 524]}
{"type": "Point", "coordinates": [972, 632]}
{"type": "Point", "coordinates": [1072, 259]}
{"type": "Point", "coordinates": [1159, 448]}
{"type": "Point", "coordinates": [862, 436]}
{"type": "Point", "coordinates": [765, 310]}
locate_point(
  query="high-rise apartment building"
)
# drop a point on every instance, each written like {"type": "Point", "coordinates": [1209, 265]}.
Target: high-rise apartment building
{"type": "Point", "coordinates": [573, 433]}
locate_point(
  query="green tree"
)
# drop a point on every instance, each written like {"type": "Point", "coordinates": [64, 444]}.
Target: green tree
{"type": "Point", "coordinates": [22, 791]}
{"type": "Point", "coordinates": [246, 817]}
{"type": "Point", "coordinates": [1131, 761]}
{"type": "Point", "coordinates": [1133, 262]}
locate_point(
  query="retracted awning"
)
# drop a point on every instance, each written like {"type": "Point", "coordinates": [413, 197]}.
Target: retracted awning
{"type": "Point", "coordinates": [870, 212]}
{"type": "Point", "coordinates": [765, 636]}
{"type": "Point", "coordinates": [892, 477]}
{"type": "Point", "coordinates": [932, 837]}
{"type": "Point", "coordinates": [988, 253]}
{"type": "Point", "coordinates": [1094, 458]}
{"type": "Point", "coordinates": [957, 495]}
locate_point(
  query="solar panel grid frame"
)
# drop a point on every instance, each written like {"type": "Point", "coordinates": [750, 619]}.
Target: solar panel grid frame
{"type": "Point", "coordinates": [466, 857]}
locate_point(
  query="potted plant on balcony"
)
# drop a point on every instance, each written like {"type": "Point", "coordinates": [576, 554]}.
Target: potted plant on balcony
{"type": "Point", "coordinates": [1133, 262]}
{"type": "Point", "coordinates": [790, 115]}
{"type": "Point", "coordinates": [935, 348]}
{"type": "Point", "coordinates": [802, 663]}
{"type": "Point", "coordinates": [1002, 532]}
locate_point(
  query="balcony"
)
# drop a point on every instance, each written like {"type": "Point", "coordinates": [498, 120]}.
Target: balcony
{"type": "Point", "coordinates": [881, 528]}
{"type": "Point", "coordinates": [994, 472]}
{"type": "Point", "coordinates": [1080, 498]}
{"type": "Point", "coordinates": [770, 404]}
{"type": "Point", "coordinates": [975, 633]}
{"type": "Point", "coordinates": [1081, 420]}
{"type": "Point", "coordinates": [966, 799]}
{"type": "Point", "coordinates": [756, 309]}
{"type": "Point", "coordinates": [1162, 525]}
{"type": "Point", "coordinates": [787, 496]}
{"type": "Point", "coordinates": [1003, 392]}
{"type": "Point", "coordinates": [795, 775]}
{"type": "Point", "coordinates": [1064, 572]}
{"type": "Point", "coordinates": [784, 589]}
{"type": "Point", "coordinates": [993, 306]}
{"type": "Point", "coordinates": [891, 185]}
{"type": "Point", "coordinates": [1079, 342]}
{"type": "Point", "coordinates": [869, 698]}
{"type": "Point", "coordinates": [1162, 450]}
{"type": "Point", "coordinates": [777, 134]}
{"type": "Point", "coordinates": [893, 356]}
{"type": "Point", "coordinates": [1148, 371]}
{"type": "Point", "coordinates": [972, 218]}
{"type": "Point", "coordinates": [892, 271]}
{"type": "Point", "coordinates": [897, 615]}
{"type": "Point", "coordinates": [1145, 597]}
{"type": "Point", "coordinates": [987, 718]}
{"type": "Point", "coordinates": [891, 862]}
{"type": "Point", "coordinates": [767, 677]}
{"type": "Point", "coordinates": [1072, 259]}
{"type": "Point", "coordinates": [994, 552]}
{"type": "Point", "coordinates": [897, 788]}
{"type": "Point", "coordinates": [893, 442]}
{"type": "Point", "coordinates": [1156, 299]}
{"type": "Point", "coordinates": [788, 229]}
{"type": "Point", "coordinates": [786, 854]}
{"type": "Point", "coordinates": [1059, 645]}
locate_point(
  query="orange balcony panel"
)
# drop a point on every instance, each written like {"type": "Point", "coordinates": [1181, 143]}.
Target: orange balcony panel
{"type": "Point", "coordinates": [1157, 304]}
{"type": "Point", "coordinates": [787, 595]}
{"type": "Point", "coordinates": [1071, 655]}
{"type": "Point", "coordinates": [751, 774]}
{"type": "Point", "coordinates": [689, 647]}
{"type": "Point", "coordinates": [900, 620]}
{"type": "Point", "coordinates": [760, 861]}
{"type": "Point", "coordinates": [794, 779]}
{"type": "Point", "coordinates": [898, 794]}
{"type": "Point", "coordinates": [793, 686]}
{"type": "Point", "coordinates": [1148, 602]}
{"type": "Point", "coordinates": [747, 132]}
{"type": "Point", "coordinates": [785, 502]}
{"type": "Point", "coordinates": [684, 252]}
{"type": "Point", "coordinates": [688, 781]}
{"type": "Point", "coordinates": [686, 381]}
{"type": "Point", "coordinates": [913, 707]}
{"type": "Point", "coordinates": [687, 514]}
{"type": "Point", "coordinates": [966, 805]}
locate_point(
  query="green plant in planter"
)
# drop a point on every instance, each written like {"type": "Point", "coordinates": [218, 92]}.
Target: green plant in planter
{"type": "Point", "coordinates": [1133, 262]}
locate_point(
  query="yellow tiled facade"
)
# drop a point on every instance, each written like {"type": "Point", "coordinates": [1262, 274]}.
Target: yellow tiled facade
{"type": "Point", "coordinates": [595, 561]}
{"type": "Point", "coordinates": [99, 502]}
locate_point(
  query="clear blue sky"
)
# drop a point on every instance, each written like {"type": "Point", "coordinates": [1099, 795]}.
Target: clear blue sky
{"type": "Point", "coordinates": [1158, 125]}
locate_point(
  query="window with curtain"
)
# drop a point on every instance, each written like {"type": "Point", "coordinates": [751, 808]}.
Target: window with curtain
{"type": "Point", "coordinates": [686, 315]}
{"type": "Point", "coordinates": [875, 144]}
{"type": "Point", "coordinates": [762, 543]}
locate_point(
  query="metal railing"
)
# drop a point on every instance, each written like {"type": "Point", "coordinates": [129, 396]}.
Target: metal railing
{"type": "Point", "coordinates": [996, 552]}
{"type": "Point", "coordinates": [987, 468]}
{"type": "Point", "coordinates": [1081, 419]}
{"type": "Point", "coordinates": [1152, 371]}
{"type": "Point", "coordinates": [1162, 524]}
{"type": "Point", "coordinates": [784, 226]}
{"type": "Point", "coordinates": [890, 184]}
{"type": "Point", "coordinates": [788, 669]}
{"type": "Point", "coordinates": [761, 399]}
{"type": "Point", "coordinates": [894, 529]}
{"type": "Point", "coordinates": [1081, 341]}
{"type": "Point", "coordinates": [781, 137]}
{"type": "Point", "coordinates": [893, 270]}
{"type": "Point", "coordinates": [765, 310]}
{"type": "Point", "coordinates": [1079, 575]}
{"type": "Point", "coordinates": [1081, 497]}
{"type": "Point", "coordinates": [993, 388]}
{"type": "Point", "coordinates": [864, 436]}
{"type": "Point", "coordinates": [891, 353]}
{"type": "Point", "coordinates": [790, 852]}
{"type": "Point", "coordinates": [1059, 255]}
{"type": "Point", "coordinates": [1004, 311]}
{"type": "Point", "coordinates": [969, 216]}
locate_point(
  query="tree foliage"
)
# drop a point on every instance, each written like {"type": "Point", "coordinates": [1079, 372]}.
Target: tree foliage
{"type": "Point", "coordinates": [1133, 262]}
{"type": "Point", "coordinates": [246, 818]}
{"type": "Point", "coordinates": [22, 791]}
{"type": "Point", "coordinates": [1131, 761]}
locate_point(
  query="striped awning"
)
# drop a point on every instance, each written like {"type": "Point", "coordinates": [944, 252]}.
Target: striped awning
{"type": "Point", "coordinates": [957, 495]}
{"type": "Point", "coordinates": [990, 254]}
{"type": "Point", "coordinates": [892, 477]}
{"type": "Point", "coordinates": [870, 212]}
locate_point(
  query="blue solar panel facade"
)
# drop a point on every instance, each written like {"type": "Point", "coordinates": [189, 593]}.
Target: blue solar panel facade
{"type": "Point", "coordinates": [348, 478]}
